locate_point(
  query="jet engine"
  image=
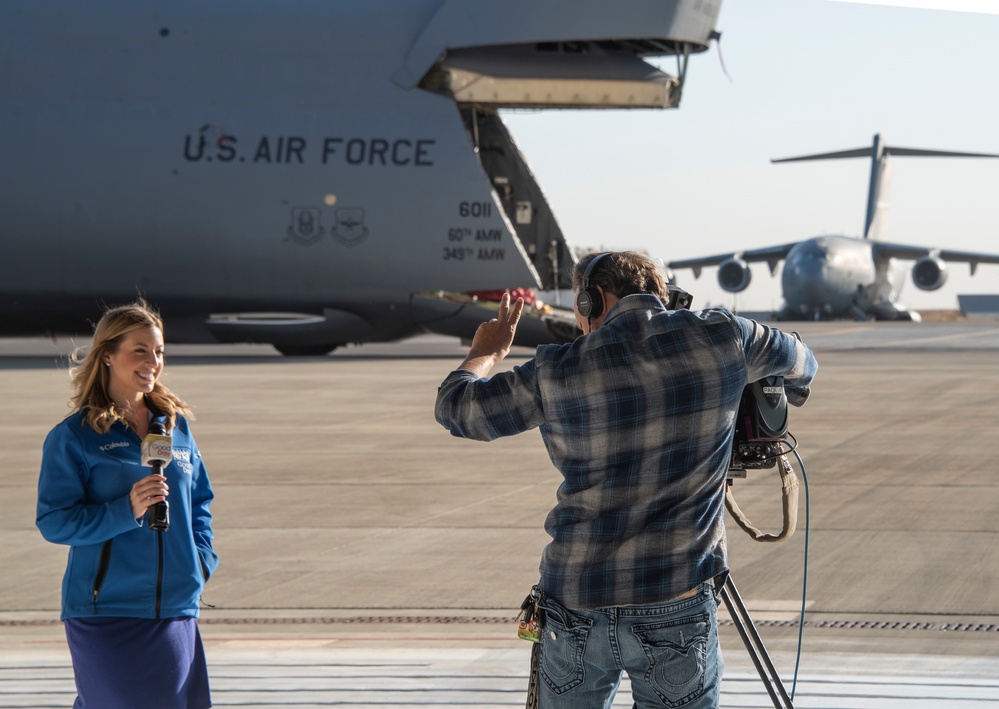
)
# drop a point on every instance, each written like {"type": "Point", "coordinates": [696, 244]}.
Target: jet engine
{"type": "Point", "coordinates": [929, 273]}
{"type": "Point", "coordinates": [734, 275]}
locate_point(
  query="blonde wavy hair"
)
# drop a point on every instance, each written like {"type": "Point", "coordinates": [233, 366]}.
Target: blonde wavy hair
{"type": "Point", "coordinates": [90, 379]}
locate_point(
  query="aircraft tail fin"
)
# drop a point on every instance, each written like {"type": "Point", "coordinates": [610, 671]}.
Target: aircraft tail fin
{"type": "Point", "coordinates": [875, 220]}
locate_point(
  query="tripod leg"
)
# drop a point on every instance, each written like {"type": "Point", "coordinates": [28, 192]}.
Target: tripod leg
{"type": "Point", "coordinates": [754, 645]}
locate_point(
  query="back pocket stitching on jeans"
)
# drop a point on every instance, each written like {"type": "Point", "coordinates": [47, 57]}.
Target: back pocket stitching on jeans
{"type": "Point", "coordinates": [696, 643]}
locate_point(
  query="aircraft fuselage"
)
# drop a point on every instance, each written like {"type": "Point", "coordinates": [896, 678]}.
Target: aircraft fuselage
{"type": "Point", "coordinates": [174, 155]}
{"type": "Point", "coordinates": [823, 276]}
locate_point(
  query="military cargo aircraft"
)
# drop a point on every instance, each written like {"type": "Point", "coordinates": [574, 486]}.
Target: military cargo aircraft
{"type": "Point", "coordinates": [298, 172]}
{"type": "Point", "coordinates": [835, 276]}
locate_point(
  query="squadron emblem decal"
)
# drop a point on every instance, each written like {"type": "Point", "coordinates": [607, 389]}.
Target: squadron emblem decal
{"type": "Point", "coordinates": [350, 227]}
{"type": "Point", "coordinates": [306, 225]}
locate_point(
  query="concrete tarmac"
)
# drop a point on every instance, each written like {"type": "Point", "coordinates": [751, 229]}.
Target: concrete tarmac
{"type": "Point", "coordinates": [368, 558]}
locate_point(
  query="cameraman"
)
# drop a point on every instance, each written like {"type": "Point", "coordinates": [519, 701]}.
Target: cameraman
{"type": "Point", "coordinates": [638, 415]}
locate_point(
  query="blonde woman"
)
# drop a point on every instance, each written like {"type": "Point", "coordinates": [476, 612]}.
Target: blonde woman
{"type": "Point", "coordinates": [130, 595]}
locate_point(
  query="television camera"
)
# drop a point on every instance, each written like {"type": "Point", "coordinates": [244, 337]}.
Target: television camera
{"type": "Point", "coordinates": [760, 427]}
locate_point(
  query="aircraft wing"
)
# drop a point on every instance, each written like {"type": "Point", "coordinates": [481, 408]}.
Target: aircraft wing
{"type": "Point", "coordinates": [772, 255]}
{"type": "Point", "coordinates": [906, 251]}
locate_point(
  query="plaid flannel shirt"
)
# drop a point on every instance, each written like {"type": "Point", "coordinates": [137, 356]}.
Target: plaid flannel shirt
{"type": "Point", "coordinates": [639, 418]}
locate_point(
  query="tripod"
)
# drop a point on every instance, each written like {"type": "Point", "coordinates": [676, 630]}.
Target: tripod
{"type": "Point", "coordinates": [754, 645]}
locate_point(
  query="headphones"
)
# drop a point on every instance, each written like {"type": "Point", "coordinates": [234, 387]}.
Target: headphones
{"type": "Point", "coordinates": [589, 302]}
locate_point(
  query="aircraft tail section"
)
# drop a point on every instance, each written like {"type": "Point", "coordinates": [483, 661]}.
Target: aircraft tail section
{"type": "Point", "coordinates": [338, 158]}
{"type": "Point", "coordinates": [875, 220]}
{"type": "Point", "coordinates": [557, 54]}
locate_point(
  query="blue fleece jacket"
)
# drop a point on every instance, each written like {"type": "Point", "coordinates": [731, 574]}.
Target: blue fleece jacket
{"type": "Point", "coordinates": [117, 566]}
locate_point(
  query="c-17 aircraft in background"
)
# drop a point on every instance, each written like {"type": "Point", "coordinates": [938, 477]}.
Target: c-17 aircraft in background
{"type": "Point", "coordinates": [833, 276]}
{"type": "Point", "coordinates": [306, 174]}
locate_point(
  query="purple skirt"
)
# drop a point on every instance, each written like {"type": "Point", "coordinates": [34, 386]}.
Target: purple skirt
{"type": "Point", "coordinates": [124, 663]}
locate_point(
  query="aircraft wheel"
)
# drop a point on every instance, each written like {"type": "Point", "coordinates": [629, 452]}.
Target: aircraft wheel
{"type": "Point", "coordinates": [305, 350]}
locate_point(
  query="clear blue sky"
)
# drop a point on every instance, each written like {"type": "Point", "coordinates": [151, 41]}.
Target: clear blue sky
{"type": "Point", "coordinates": [807, 76]}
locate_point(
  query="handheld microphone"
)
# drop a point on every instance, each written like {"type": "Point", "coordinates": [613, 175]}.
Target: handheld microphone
{"type": "Point", "coordinates": [157, 451]}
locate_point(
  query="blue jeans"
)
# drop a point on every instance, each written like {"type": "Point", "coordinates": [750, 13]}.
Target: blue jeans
{"type": "Point", "coordinates": [670, 651]}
